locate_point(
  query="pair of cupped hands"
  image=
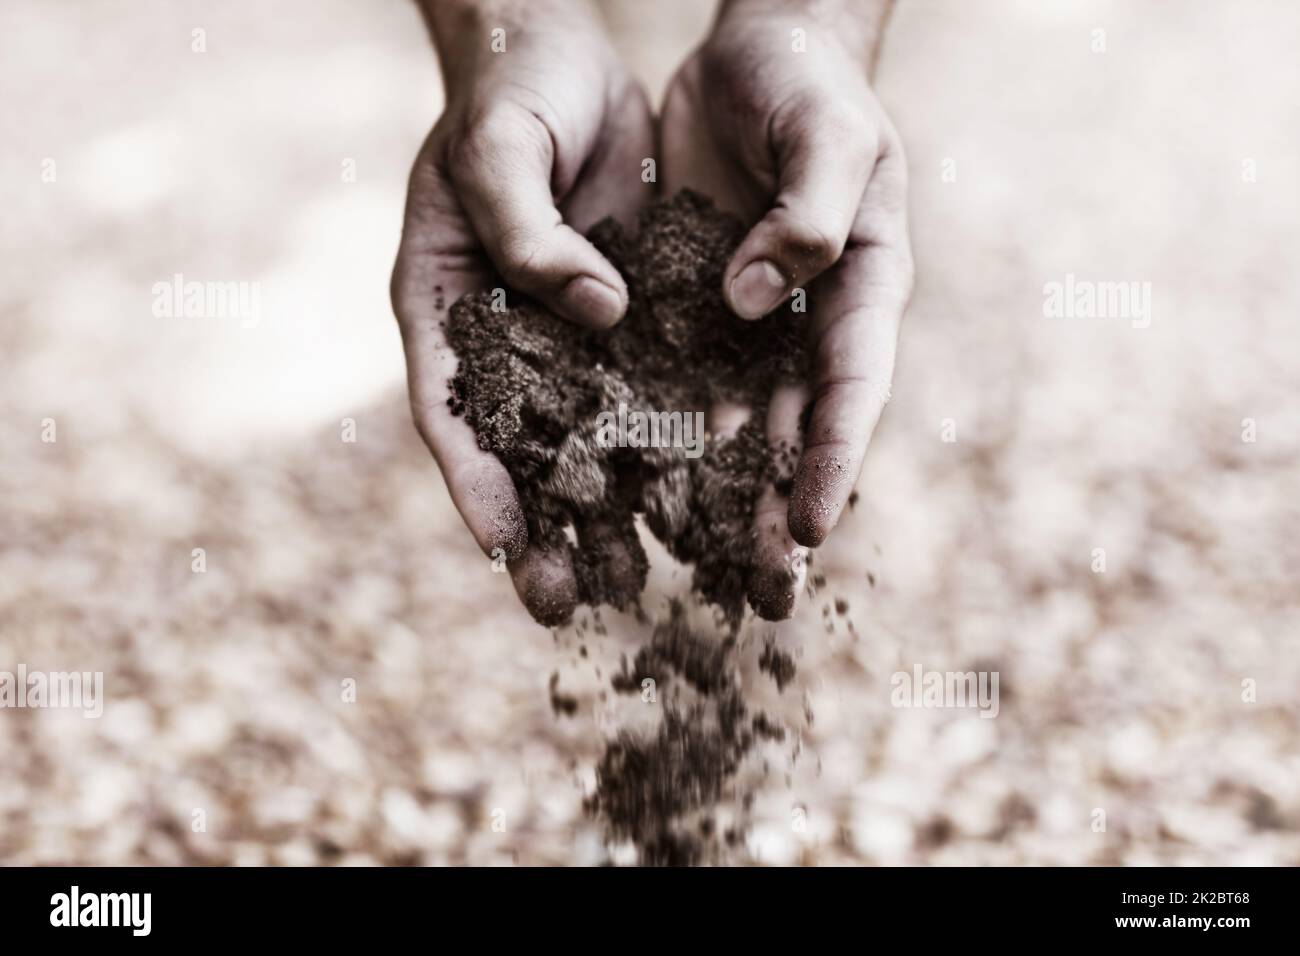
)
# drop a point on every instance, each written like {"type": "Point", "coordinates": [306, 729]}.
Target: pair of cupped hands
{"type": "Point", "coordinates": [541, 139]}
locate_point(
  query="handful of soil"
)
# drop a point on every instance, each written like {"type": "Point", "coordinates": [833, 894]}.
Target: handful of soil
{"type": "Point", "coordinates": [534, 386]}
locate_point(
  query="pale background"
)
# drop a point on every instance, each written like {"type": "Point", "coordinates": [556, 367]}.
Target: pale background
{"type": "Point", "coordinates": [1121, 691]}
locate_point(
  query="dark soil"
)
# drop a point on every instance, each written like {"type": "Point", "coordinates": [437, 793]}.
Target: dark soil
{"type": "Point", "coordinates": [658, 791]}
{"type": "Point", "coordinates": [562, 704]}
{"type": "Point", "coordinates": [778, 664]}
{"type": "Point", "coordinates": [532, 386]}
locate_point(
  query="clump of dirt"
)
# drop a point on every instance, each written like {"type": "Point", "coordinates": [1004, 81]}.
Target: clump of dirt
{"type": "Point", "coordinates": [561, 704]}
{"type": "Point", "coordinates": [533, 386]}
{"type": "Point", "coordinates": [778, 664]}
{"type": "Point", "coordinates": [703, 663]}
{"type": "Point", "coordinates": [658, 791]}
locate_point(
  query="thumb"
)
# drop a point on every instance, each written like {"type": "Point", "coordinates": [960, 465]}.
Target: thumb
{"type": "Point", "coordinates": [501, 166]}
{"type": "Point", "coordinates": [822, 173]}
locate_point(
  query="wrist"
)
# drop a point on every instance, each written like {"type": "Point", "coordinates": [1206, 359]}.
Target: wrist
{"type": "Point", "coordinates": [466, 33]}
{"type": "Point", "coordinates": [854, 26]}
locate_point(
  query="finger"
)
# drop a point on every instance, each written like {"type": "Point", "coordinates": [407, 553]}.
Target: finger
{"type": "Point", "coordinates": [611, 183]}
{"type": "Point", "coordinates": [611, 566]}
{"type": "Point", "coordinates": [543, 579]}
{"type": "Point", "coordinates": [823, 170]}
{"type": "Point", "coordinates": [778, 563]}
{"type": "Point", "coordinates": [479, 485]}
{"type": "Point", "coordinates": [855, 328]}
{"type": "Point", "coordinates": [502, 169]}
{"type": "Point", "coordinates": [435, 266]}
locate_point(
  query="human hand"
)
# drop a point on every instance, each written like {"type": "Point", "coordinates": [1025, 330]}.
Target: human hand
{"type": "Point", "coordinates": [537, 142]}
{"type": "Point", "coordinates": [797, 143]}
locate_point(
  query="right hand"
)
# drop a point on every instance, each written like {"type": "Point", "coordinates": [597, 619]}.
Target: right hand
{"type": "Point", "coordinates": [797, 144]}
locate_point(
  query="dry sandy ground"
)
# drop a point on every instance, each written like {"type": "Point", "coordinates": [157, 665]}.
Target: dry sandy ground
{"type": "Point", "coordinates": [330, 561]}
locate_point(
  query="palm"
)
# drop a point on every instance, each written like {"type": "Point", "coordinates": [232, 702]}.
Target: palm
{"type": "Point", "coordinates": [700, 154]}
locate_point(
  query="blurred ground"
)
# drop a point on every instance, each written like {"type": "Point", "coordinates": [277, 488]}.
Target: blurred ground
{"type": "Point", "coordinates": [329, 561]}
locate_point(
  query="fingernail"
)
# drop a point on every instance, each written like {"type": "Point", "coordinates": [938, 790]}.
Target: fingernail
{"type": "Point", "coordinates": [758, 289]}
{"type": "Point", "coordinates": [592, 302]}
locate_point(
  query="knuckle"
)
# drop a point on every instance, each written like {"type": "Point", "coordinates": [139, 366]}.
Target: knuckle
{"type": "Point", "coordinates": [485, 136]}
{"type": "Point", "coordinates": [423, 422]}
{"type": "Point", "coordinates": [481, 138]}
{"type": "Point", "coordinates": [409, 289]}
{"type": "Point", "coordinates": [815, 237]}
{"type": "Point", "coordinates": [398, 291]}
{"type": "Point", "coordinates": [424, 417]}
{"type": "Point", "coordinates": [521, 251]}
{"type": "Point", "coordinates": [849, 130]}
{"type": "Point", "coordinates": [495, 133]}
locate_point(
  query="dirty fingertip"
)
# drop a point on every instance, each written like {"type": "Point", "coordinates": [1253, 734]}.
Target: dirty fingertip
{"type": "Point", "coordinates": [485, 496]}
{"type": "Point", "coordinates": [772, 593]}
{"type": "Point", "coordinates": [511, 529]}
{"type": "Point", "coordinates": [821, 487]}
{"type": "Point", "coordinates": [545, 584]}
{"type": "Point", "coordinates": [808, 523]}
{"type": "Point", "coordinates": [777, 573]}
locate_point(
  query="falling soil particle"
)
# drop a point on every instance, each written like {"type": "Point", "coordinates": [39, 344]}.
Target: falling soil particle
{"type": "Point", "coordinates": [841, 606]}
{"type": "Point", "coordinates": [778, 664]}
{"type": "Point", "coordinates": [534, 386]}
{"type": "Point", "coordinates": [763, 727]}
{"type": "Point", "coordinates": [937, 832]}
{"type": "Point", "coordinates": [561, 704]}
{"type": "Point", "coordinates": [652, 789]}
{"type": "Point", "coordinates": [703, 663]}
